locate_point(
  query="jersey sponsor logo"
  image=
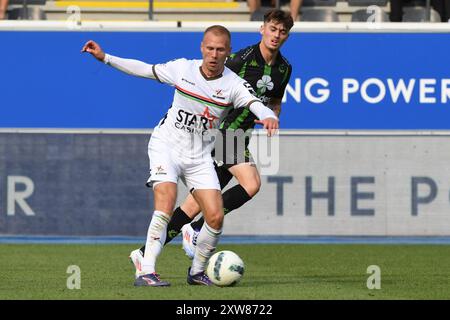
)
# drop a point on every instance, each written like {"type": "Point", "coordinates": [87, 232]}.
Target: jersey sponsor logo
{"type": "Point", "coordinates": [211, 118]}
{"type": "Point", "coordinates": [264, 99]}
{"type": "Point", "coordinates": [265, 83]}
{"type": "Point", "coordinates": [160, 171]}
{"type": "Point", "coordinates": [195, 123]}
{"type": "Point", "coordinates": [187, 81]}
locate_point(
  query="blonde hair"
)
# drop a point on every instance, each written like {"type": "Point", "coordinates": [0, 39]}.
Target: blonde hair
{"type": "Point", "coordinates": [218, 30]}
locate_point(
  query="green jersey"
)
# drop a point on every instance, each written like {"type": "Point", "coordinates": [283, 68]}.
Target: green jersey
{"type": "Point", "coordinates": [268, 81]}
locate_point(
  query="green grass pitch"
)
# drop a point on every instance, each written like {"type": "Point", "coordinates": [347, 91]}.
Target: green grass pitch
{"type": "Point", "coordinates": [272, 271]}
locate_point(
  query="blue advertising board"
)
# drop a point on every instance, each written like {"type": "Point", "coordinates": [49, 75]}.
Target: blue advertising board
{"type": "Point", "coordinates": [339, 80]}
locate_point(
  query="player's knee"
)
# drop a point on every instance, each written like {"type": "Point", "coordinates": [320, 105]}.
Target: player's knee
{"type": "Point", "coordinates": [215, 220]}
{"type": "Point", "coordinates": [252, 187]}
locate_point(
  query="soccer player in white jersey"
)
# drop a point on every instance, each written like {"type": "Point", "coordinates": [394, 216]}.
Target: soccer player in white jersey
{"type": "Point", "coordinates": [180, 145]}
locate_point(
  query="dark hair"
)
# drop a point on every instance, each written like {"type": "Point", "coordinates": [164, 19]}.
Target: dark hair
{"type": "Point", "coordinates": [218, 30]}
{"type": "Point", "coordinates": [279, 16]}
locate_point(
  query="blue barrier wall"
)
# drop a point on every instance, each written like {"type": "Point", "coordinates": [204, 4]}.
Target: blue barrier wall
{"type": "Point", "coordinates": [74, 184]}
{"type": "Point", "coordinates": [47, 82]}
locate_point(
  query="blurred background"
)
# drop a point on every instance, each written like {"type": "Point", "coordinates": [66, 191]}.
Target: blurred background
{"type": "Point", "coordinates": [219, 10]}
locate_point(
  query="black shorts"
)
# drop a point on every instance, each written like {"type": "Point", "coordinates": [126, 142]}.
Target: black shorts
{"type": "Point", "coordinates": [231, 148]}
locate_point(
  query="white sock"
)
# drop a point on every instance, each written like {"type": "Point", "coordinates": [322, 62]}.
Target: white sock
{"type": "Point", "coordinates": [156, 236]}
{"type": "Point", "coordinates": [206, 244]}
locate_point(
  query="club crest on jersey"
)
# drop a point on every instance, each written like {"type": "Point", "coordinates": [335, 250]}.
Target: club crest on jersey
{"type": "Point", "coordinates": [219, 94]}
{"type": "Point", "coordinates": [265, 83]}
{"type": "Point", "coordinates": [195, 123]}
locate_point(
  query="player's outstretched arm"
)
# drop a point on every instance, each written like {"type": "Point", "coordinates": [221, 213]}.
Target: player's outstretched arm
{"type": "Point", "coordinates": [129, 66]}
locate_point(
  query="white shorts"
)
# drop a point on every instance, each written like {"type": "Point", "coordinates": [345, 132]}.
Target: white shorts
{"type": "Point", "coordinates": [168, 166]}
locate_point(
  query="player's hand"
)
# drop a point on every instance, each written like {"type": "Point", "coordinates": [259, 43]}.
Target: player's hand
{"type": "Point", "coordinates": [94, 49]}
{"type": "Point", "coordinates": [270, 124]}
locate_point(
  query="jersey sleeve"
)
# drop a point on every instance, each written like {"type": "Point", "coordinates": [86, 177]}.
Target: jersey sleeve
{"type": "Point", "coordinates": [234, 62]}
{"type": "Point", "coordinates": [285, 81]}
{"type": "Point", "coordinates": [168, 72]}
{"type": "Point", "coordinates": [243, 94]}
{"type": "Point", "coordinates": [130, 66]}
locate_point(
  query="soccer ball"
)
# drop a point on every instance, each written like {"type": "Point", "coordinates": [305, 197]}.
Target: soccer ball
{"type": "Point", "coordinates": [225, 268]}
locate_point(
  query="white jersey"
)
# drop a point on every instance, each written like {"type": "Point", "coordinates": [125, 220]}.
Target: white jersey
{"type": "Point", "coordinates": [198, 104]}
{"type": "Point", "coordinates": [185, 135]}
